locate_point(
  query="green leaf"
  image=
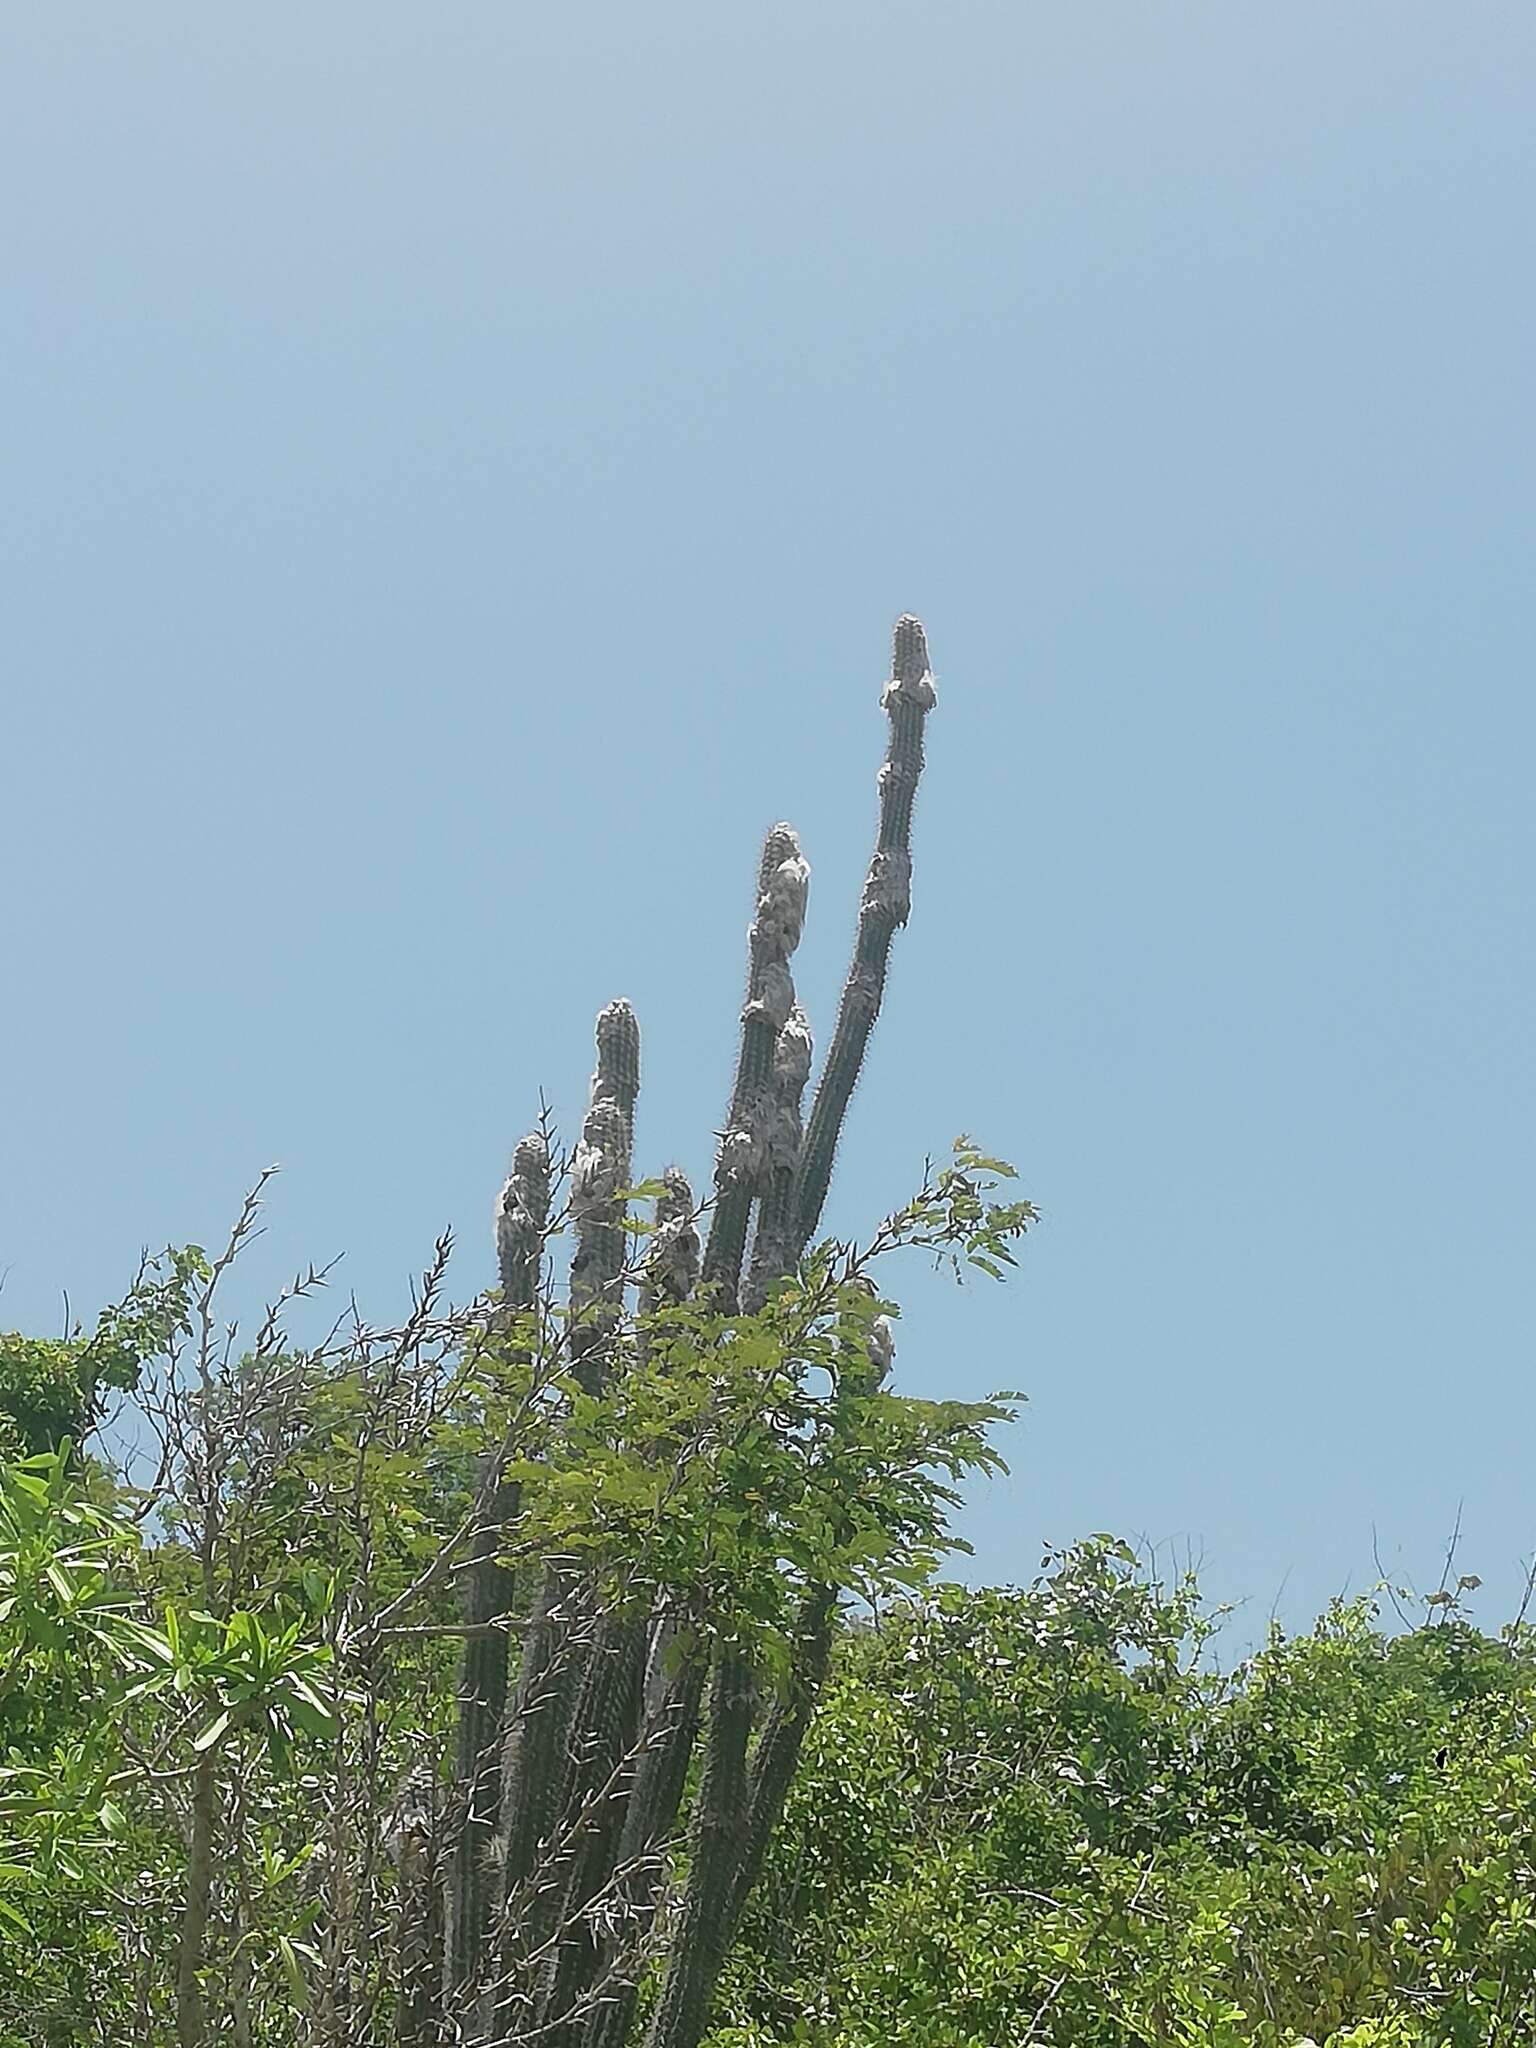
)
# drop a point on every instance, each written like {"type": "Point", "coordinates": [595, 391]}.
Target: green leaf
{"type": "Point", "coordinates": [310, 1711]}
{"type": "Point", "coordinates": [288, 1955]}
{"type": "Point", "coordinates": [208, 1736]}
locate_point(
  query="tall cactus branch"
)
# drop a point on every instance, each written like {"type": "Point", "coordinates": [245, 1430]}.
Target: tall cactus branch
{"type": "Point", "coordinates": [783, 879]}
{"type": "Point", "coordinates": [669, 1698]}
{"type": "Point", "coordinates": [751, 1146]}
{"type": "Point", "coordinates": [715, 1844]}
{"type": "Point", "coordinates": [777, 1751]}
{"type": "Point", "coordinates": [606, 1725]}
{"type": "Point", "coordinates": [522, 1215]}
{"type": "Point", "coordinates": [725, 1852]}
{"type": "Point", "coordinates": [906, 699]}
{"type": "Point", "coordinates": [536, 1759]}
{"type": "Point", "coordinates": [774, 1245]}
{"type": "Point", "coordinates": [600, 1172]}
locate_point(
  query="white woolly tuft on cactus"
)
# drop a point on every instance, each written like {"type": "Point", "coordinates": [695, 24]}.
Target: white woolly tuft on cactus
{"type": "Point", "coordinates": [881, 1345]}
{"type": "Point", "coordinates": [597, 1167]}
{"type": "Point", "coordinates": [672, 1265]}
{"type": "Point", "coordinates": [522, 1209]}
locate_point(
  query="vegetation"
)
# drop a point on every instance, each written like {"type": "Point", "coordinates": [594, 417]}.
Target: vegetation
{"type": "Point", "coordinates": [272, 1759]}
{"type": "Point", "coordinates": [568, 1666]}
{"type": "Point", "coordinates": [1043, 1816]}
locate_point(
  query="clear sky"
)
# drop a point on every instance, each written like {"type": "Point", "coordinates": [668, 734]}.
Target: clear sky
{"type": "Point", "coordinates": [461, 466]}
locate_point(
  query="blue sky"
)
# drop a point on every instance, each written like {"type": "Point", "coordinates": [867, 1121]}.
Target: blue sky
{"type": "Point", "coordinates": [462, 465]}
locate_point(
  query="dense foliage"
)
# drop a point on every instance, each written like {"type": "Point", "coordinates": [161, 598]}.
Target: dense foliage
{"type": "Point", "coordinates": [1044, 1816]}
{"type": "Point", "coordinates": [228, 1693]}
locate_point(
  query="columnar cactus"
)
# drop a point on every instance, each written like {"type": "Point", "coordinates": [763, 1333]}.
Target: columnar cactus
{"type": "Point", "coordinates": [536, 1757]}
{"type": "Point", "coordinates": [783, 880]}
{"type": "Point", "coordinates": [672, 1266]}
{"type": "Point", "coordinates": [600, 1173]}
{"type": "Point", "coordinates": [731, 1813]}
{"type": "Point", "coordinates": [886, 903]}
{"type": "Point", "coordinates": [577, 1714]}
{"type": "Point", "coordinates": [522, 1215]}
{"type": "Point", "coordinates": [609, 1708]}
{"type": "Point", "coordinates": [776, 1241]}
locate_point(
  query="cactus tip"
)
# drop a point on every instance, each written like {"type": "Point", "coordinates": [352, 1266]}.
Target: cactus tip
{"type": "Point", "coordinates": [618, 1054]}
{"type": "Point", "coordinates": [617, 1022]}
{"type": "Point", "coordinates": [782, 843]}
{"type": "Point", "coordinates": [531, 1154]}
{"type": "Point", "coordinates": [911, 678]}
{"type": "Point", "coordinates": [909, 658]}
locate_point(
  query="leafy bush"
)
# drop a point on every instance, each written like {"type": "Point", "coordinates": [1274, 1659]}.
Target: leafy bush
{"type": "Point", "coordinates": [1041, 1816]}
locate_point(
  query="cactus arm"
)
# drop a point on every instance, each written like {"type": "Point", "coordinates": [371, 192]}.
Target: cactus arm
{"type": "Point", "coordinates": [604, 1725]}
{"type": "Point", "coordinates": [783, 879]}
{"type": "Point", "coordinates": [715, 1844]}
{"type": "Point", "coordinates": [773, 1247]}
{"type": "Point", "coordinates": [776, 1755]}
{"type": "Point", "coordinates": [751, 1147]}
{"type": "Point", "coordinates": [669, 1703]}
{"type": "Point", "coordinates": [724, 1861]}
{"type": "Point", "coordinates": [415, 1847]}
{"type": "Point", "coordinates": [907, 699]}
{"type": "Point", "coordinates": [522, 1215]}
{"type": "Point", "coordinates": [535, 1758]}
{"type": "Point", "coordinates": [607, 1718]}
{"type": "Point", "coordinates": [672, 1721]}
{"type": "Point", "coordinates": [599, 1175]}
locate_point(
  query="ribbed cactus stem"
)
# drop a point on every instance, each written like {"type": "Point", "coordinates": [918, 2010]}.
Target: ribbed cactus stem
{"type": "Point", "coordinates": [604, 1726]}
{"type": "Point", "coordinates": [600, 1172]}
{"type": "Point", "coordinates": [536, 1759]}
{"type": "Point", "coordinates": [725, 1851]}
{"type": "Point", "coordinates": [415, 1846]}
{"type": "Point", "coordinates": [606, 1723]}
{"type": "Point", "coordinates": [777, 1754]}
{"type": "Point", "coordinates": [783, 881]}
{"type": "Point", "coordinates": [907, 699]}
{"type": "Point", "coordinates": [672, 1262]}
{"type": "Point", "coordinates": [774, 1247]}
{"type": "Point", "coordinates": [617, 1078]}
{"type": "Point", "coordinates": [522, 1216]}
{"type": "Point", "coordinates": [640, 1690]}
{"type": "Point", "coordinates": [716, 1843]}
